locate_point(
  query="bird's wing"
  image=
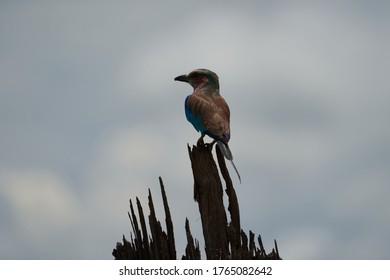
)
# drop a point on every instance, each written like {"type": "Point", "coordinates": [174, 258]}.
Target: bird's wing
{"type": "Point", "coordinates": [214, 115]}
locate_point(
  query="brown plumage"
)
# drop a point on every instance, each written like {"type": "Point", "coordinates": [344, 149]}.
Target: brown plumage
{"type": "Point", "coordinates": [214, 111]}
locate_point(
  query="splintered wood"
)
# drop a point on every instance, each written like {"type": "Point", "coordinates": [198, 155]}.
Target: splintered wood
{"type": "Point", "coordinates": [223, 239]}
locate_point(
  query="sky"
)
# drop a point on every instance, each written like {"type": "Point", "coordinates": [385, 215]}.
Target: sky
{"type": "Point", "coordinates": [90, 117]}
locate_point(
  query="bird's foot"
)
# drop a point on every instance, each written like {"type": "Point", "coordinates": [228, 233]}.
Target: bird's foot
{"type": "Point", "coordinates": [200, 142]}
{"type": "Point", "coordinates": [210, 145]}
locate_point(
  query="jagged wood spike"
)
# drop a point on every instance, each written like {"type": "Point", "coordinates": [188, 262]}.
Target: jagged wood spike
{"type": "Point", "coordinates": [137, 232]}
{"type": "Point", "coordinates": [169, 224]}
{"type": "Point", "coordinates": [263, 253]}
{"type": "Point", "coordinates": [192, 250]}
{"type": "Point", "coordinates": [154, 228]}
{"type": "Point", "coordinates": [252, 245]}
{"type": "Point", "coordinates": [145, 243]}
{"type": "Point", "coordinates": [130, 215]}
{"type": "Point", "coordinates": [233, 207]}
{"type": "Point", "coordinates": [276, 248]}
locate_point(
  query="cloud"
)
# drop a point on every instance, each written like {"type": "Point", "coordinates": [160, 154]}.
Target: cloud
{"type": "Point", "coordinates": [41, 209]}
{"type": "Point", "coordinates": [40, 200]}
{"type": "Point", "coordinates": [91, 116]}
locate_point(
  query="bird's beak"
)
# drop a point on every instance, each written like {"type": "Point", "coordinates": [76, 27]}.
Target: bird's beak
{"type": "Point", "coordinates": [182, 78]}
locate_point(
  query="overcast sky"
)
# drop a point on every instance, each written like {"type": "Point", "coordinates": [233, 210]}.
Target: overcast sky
{"type": "Point", "coordinates": [90, 117]}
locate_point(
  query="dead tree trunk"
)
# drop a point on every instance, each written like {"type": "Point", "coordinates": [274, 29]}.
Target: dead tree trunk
{"type": "Point", "coordinates": [223, 239]}
{"type": "Point", "coordinates": [209, 195]}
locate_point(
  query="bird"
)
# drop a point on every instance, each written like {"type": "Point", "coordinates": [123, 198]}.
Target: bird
{"type": "Point", "coordinates": [207, 110]}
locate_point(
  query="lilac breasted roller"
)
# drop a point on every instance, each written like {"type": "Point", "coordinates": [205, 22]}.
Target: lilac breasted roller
{"type": "Point", "coordinates": [207, 111]}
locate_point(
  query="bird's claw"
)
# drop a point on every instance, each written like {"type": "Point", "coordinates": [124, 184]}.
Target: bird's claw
{"type": "Point", "coordinates": [200, 142]}
{"type": "Point", "coordinates": [209, 146]}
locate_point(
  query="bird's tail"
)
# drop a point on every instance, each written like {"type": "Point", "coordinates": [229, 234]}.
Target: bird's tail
{"type": "Point", "coordinates": [228, 155]}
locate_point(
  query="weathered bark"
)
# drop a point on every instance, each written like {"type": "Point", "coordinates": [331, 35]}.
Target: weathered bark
{"type": "Point", "coordinates": [209, 195]}
{"type": "Point", "coordinates": [223, 239]}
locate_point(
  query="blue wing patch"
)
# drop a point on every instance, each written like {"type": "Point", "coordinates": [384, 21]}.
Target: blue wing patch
{"type": "Point", "coordinates": [194, 120]}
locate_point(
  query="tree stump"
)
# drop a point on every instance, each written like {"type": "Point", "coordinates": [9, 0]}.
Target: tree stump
{"type": "Point", "coordinates": [223, 239]}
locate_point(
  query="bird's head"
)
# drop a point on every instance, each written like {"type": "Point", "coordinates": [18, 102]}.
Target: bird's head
{"type": "Point", "coordinates": [200, 77]}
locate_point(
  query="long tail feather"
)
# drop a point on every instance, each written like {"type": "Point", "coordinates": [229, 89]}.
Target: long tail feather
{"type": "Point", "coordinates": [228, 155]}
{"type": "Point", "coordinates": [238, 174]}
{"type": "Point", "coordinates": [225, 150]}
